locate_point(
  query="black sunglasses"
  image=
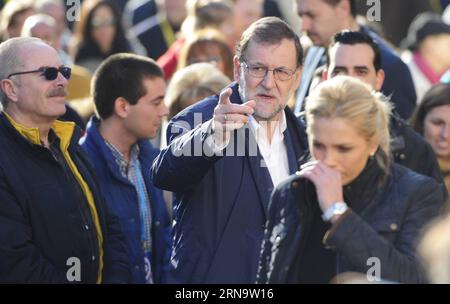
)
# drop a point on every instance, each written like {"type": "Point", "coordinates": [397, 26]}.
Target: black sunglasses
{"type": "Point", "coordinates": [50, 73]}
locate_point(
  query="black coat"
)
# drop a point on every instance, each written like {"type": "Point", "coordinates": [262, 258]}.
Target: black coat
{"type": "Point", "coordinates": [43, 222]}
{"type": "Point", "coordinates": [383, 221]}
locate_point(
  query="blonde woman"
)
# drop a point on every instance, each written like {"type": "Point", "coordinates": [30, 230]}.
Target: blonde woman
{"type": "Point", "coordinates": [349, 209]}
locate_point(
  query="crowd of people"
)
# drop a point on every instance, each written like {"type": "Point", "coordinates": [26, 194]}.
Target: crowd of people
{"type": "Point", "coordinates": [223, 142]}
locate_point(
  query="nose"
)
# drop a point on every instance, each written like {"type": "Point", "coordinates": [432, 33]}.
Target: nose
{"type": "Point", "coordinates": [305, 23]}
{"type": "Point", "coordinates": [446, 132]}
{"type": "Point", "coordinates": [269, 79]}
{"type": "Point", "coordinates": [329, 159]}
{"type": "Point", "coordinates": [61, 80]}
{"type": "Point", "coordinates": [164, 110]}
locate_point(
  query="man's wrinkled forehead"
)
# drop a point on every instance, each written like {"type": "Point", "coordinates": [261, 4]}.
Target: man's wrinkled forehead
{"type": "Point", "coordinates": [38, 54]}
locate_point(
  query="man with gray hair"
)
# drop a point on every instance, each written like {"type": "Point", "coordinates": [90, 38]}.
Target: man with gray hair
{"type": "Point", "coordinates": [54, 225]}
{"type": "Point", "coordinates": [221, 201]}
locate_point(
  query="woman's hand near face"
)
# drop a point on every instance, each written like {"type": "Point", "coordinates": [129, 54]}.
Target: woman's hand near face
{"type": "Point", "coordinates": [327, 181]}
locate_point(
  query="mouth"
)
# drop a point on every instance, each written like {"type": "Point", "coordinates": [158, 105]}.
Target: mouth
{"type": "Point", "coordinates": [443, 145]}
{"type": "Point", "coordinates": [266, 97]}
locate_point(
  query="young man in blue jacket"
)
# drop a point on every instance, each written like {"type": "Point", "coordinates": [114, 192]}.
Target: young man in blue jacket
{"type": "Point", "coordinates": [128, 92]}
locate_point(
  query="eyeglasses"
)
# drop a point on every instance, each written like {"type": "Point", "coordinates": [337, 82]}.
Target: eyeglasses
{"type": "Point", "coordinates": [50, 73]}
{"type": "Point", "coordinates": [260, 71]}
{"type": "Point", "coordinates": [210, 59]}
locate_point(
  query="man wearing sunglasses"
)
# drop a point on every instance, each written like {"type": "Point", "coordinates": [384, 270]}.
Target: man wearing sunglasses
{"type": "Point", "coordinates": [54, 225]}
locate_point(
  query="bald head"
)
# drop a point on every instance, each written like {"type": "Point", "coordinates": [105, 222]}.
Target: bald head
{"type": "Point", "coordinates": [13, 55]}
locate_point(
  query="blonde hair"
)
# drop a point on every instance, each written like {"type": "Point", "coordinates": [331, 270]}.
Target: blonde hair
{"type": "Point", "coordinates": [192, 84]}
{"type": "Point", "coordinates": [351, 99]}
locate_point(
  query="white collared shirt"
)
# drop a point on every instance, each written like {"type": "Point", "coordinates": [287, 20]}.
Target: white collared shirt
{"type": "Point", "coordinates": [274, 153]}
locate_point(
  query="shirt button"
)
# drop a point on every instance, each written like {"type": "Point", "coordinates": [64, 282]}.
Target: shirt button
{"type": "Point", "coordinates": [402, 156]}
{"type": "Point", "coordinates": [295, 185]}
{"type": "Point", "coordinates": [93, 257]}
{"type": "Point", "coordinates": [393, 227]}
{"type": "Point", "coordinates": [157, 223]}
{"type": "Point", "coordinates": [86, 227]}
{"type": "Point", "coordinates": [132, 220]}
{"type": "Point", "coordinates": [136, 267]}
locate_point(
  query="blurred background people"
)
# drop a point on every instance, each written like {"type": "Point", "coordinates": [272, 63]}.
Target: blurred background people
{"type": "Point", "coordinates": [245, 13]}
{"type": "Point", "coordinates": [432, 120]}
{"type": "Point", "coordinates": [155, 23]}
{"type": "Point", "coordinates": [12, 17]}
{"type": "Point", "coordinates": [434, 250]}
{"type": "Point", "coordinates": [57, 10]}
{"type": "Point", "coordinates": [201, 14]}
{"type": "Point", "coordinates": [98, 34]}
{"type": "Point", "coordinates": [41, 26]}
{"type": "Point", "coordinates": [207, 46]}
{"type": "Point", "coordinates": [193, 83]}
{"type": "Point", "coordinates": [429, 42]}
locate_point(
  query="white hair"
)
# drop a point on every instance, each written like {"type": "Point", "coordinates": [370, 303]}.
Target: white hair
{"type": "Point", "coordinates": [33, 21]}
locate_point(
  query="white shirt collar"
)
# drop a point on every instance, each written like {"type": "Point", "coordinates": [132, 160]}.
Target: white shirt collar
{"type": "Point", "coordinates": [280, 127]}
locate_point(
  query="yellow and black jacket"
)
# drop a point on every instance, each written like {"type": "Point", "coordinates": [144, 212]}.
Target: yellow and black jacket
{"type": "Point", "coordinates": [52, 214]}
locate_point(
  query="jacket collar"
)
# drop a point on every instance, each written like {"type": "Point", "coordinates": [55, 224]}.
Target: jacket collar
{"type": "Point", "coordinates": [363, 189]}
{"type": "Point", "coordinates": [93, 138]}
{"type": "Point", "coordinates": [63, 129]}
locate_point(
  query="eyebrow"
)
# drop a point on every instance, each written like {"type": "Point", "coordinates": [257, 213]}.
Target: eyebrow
{"type": "Point", "coordinates": [158, 98]}
{"type": "Point", "coordinates": [344, 68]}
{"type": "Point", "coordinates": [346, 145]}
{"type": "Point", "coordinates": [262, 64]}
{"type": "Point", "coordinates": [361, 67]}
{"type": "Point", "coordinates": [339, 68]}
{"type": "Point", "coordinates": [303, 13]}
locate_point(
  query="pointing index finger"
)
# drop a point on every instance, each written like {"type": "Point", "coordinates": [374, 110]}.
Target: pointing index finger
{"type": "Point", "coordinates": [224, 97]}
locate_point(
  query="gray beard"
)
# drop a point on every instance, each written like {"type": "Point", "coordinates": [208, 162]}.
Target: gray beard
{"type": "Point", "coordinates": [256, 114]}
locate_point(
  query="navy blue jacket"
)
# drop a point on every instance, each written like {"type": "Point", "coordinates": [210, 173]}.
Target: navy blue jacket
{"type": "Point", "coordinates": [122, 199]}
{"type": "Point", "coordinates": [42, 224]}
{"type": "Point", "coordinates": [220, 205]}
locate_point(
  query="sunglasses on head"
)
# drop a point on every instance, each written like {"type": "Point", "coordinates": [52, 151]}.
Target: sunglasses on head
{"type": "Point", "coordinates": [50, 73]}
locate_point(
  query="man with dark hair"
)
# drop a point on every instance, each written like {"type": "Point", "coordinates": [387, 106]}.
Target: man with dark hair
{"type": "Point", "coordinates": [321, 19]}
{"type": "Point", "coordinates": [129, 94]}
{"type": "Point", "coordinates": [54, 224]}
{"type": "Point", "coordinates": [355, 54]}
{"type": "Point", "coordinates": [221, 201]}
